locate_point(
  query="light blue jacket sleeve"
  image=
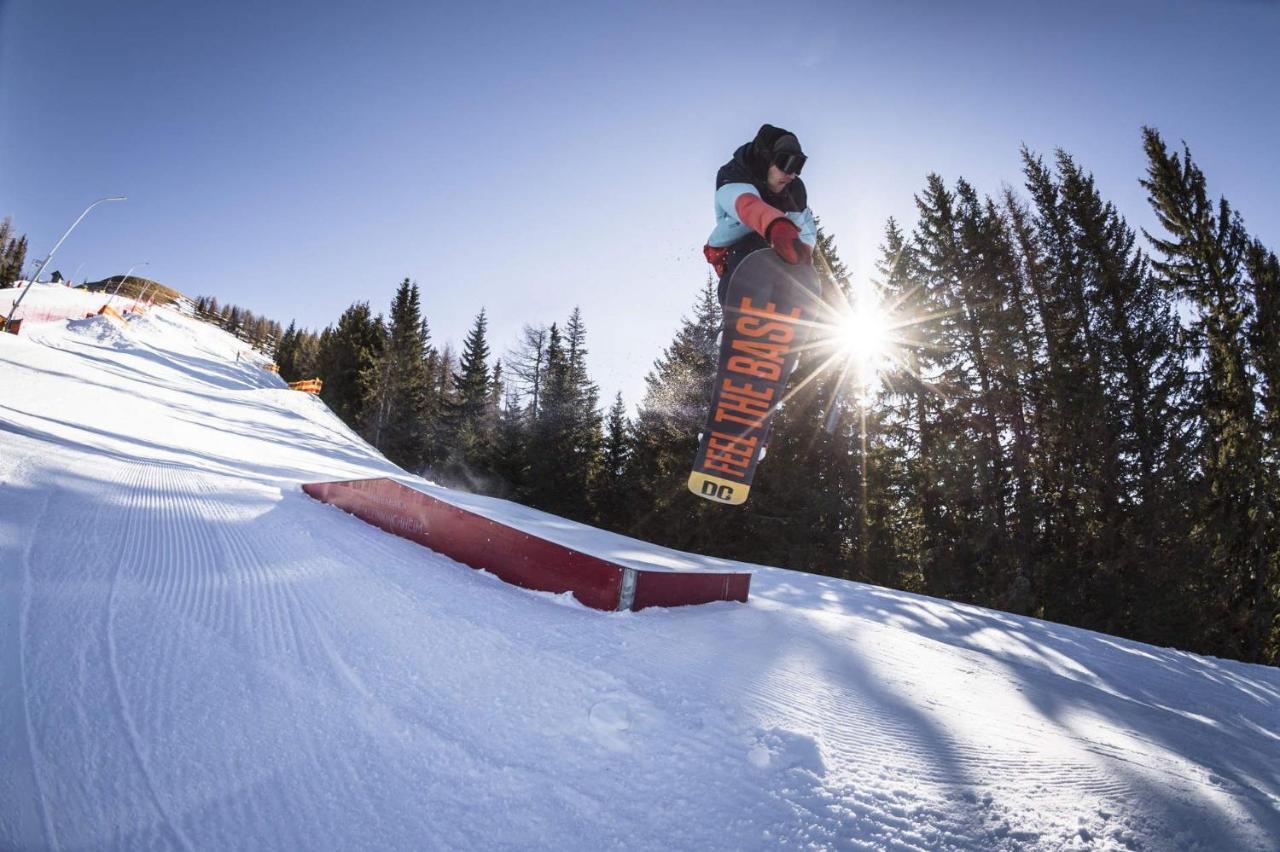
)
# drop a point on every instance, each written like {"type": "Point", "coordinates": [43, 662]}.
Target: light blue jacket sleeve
{"type": "Point", "coordinates": [729, 228]}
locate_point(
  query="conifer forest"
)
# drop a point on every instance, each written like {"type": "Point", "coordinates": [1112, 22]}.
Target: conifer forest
{"type": "Point", "coordinates": [1080, 420]}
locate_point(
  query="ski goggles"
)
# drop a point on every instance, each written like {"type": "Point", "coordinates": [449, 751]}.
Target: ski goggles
{"type": "Point", "coordinates": [789, 162]}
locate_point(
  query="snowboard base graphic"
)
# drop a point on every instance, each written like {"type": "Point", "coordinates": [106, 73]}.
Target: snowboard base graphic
{"type": "Point", "coordinates": [769, 310]}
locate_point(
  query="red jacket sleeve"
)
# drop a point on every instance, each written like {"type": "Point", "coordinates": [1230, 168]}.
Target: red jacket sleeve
{"type": "Point", "coordinates": [755, 213]}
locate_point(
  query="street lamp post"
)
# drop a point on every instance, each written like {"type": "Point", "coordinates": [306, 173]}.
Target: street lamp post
{"type": "Point", "coordinates": [143, 296]}
{"type": "Point", "coordinates": [13, 310]}
{"type": "Point", "coordinates": [122, 280]}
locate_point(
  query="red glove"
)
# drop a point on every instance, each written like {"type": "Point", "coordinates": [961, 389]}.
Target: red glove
{"type": "Point", "coordinates": [717, 256]}
{"type": "Point", "coordinates": [784, 236]}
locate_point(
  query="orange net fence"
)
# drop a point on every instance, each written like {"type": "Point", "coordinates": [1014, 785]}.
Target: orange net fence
{"type": "Point", "coordinates": [306, 385]}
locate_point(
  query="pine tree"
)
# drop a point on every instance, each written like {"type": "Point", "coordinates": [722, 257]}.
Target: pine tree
{"type": "Point", "coordinates": [564, 439]}
{"type": "Point", "coordinates": [443, 391]}
{"type": "Point", "coordinates": [962, 484]}
{"type": "Point", "coordinates": [1020, 351]}
{"type": "Point", "coordinates": [1264, 340]}
{"type": "Point", "coordinates": [497, 389]}
{"type": "Point", "coordinates": [905, 492]}
{"type": "Point", "coordinates": [610, 490]}
{"type": "Point", "coordinates": [1205, 261]}
{"type": "Point", "coordinates": [1142, 373]}
{"type": "Point", "coordinates": [549, 433]}
{"type": "Point", "coordinates": [983, 286]}
{"type": "Point", "coordinates": [585, 421]}
{"type": "Point", "coordinates": [6, 231]}
{"type": "Point", "coordinates": [399, 385]}
{"type": "Point", "coordinates": [1004, 349]}
{"type": "Point", "coordinates": [469, 416]}
{"type": "Point", "coordinates": [1082, 501]}
{"type": "Point", "coordinates": [287, 353]}
{"type": "Point", "coordinates": [1050, 368]}
{"type": "Point", "coordinates": [509, 461]}
{"type": "Point", "coordinates": [13, 253]}
{"type": "Point", "coordinates": [473, 380]}
{"type": "Point", "coordinates": [307, 358]}
{"type": "Point", "coordinates": [377, 379]}
{"type": "Point", "coordinates": [346, 359]}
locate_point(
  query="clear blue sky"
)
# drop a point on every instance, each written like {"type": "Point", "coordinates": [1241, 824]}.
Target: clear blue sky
{"type": "Point", "coordinates": [530, 157]}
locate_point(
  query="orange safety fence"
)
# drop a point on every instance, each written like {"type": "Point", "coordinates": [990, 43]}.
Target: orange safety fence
{"type": "Point", "coordinates": [49, 314]}
{"type": "Point", "coordinates": [33, 311]}
{"type": "Point", "coordinates": [306, 385]}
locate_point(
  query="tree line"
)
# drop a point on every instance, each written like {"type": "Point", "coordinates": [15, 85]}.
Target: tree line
{"type": "Point", "coordinates": [258, 331]}
{"type": "Point", "coordinates": [13, 253]}
{"type": "Point", "coordinates": [1076, 425]}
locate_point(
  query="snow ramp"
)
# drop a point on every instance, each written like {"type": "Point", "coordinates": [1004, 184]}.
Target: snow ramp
{"type": "Point", "coordinates": [523, 558]}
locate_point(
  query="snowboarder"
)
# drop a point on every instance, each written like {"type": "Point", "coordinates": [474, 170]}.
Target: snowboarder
{"type": "Point", "coordinates": [770, 300]}
{"type": "Point", "coordinates": [761, 202]}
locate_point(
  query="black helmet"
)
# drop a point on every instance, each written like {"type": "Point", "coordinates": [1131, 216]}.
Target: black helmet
{"type": "Point", "coordinates": [779, 147]}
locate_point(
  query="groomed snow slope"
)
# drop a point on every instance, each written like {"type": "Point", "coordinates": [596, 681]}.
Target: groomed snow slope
{"type": "Point", "coordinates": [194, 654]}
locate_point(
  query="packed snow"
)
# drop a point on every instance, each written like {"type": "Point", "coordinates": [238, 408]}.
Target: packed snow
{"type": "Point", "coordinates": [195, 654]}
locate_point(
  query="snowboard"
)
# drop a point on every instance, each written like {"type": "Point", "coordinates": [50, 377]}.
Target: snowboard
{"type": "Point", "coordinates": [769, 309]}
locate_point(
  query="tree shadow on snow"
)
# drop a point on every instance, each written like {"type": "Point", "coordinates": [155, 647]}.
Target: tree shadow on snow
{"type": "Point", "coordinates": [1219, 716]}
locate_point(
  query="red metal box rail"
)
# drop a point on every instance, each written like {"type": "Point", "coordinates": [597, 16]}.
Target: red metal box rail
{"type": "Point", "coordinates": [518, 557]}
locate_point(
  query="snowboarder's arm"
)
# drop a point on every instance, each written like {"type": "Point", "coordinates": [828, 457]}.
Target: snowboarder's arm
{"type": "Point", "coordinates": [741, 201]}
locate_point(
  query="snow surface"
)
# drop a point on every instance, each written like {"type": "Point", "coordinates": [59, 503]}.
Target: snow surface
{"type": "Point", "coordinates": [194, 654]}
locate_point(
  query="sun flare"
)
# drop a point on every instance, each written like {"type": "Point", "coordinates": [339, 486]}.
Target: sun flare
{"type": "Point", "coordinates": [864, 334]}
{"type": "Point", "coordinates": [864, 337]}
{"type": "Point", "coordinates": [864, 340]}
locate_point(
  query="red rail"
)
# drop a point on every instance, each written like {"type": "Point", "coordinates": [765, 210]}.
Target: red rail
{"type": "Point", "coordinates": [521, 558]}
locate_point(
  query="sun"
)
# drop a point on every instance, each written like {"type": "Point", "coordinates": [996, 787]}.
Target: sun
{"type": "Point", "coordinates": [863, 335]}
{"type": "Point", "coordinates": [864, 341]}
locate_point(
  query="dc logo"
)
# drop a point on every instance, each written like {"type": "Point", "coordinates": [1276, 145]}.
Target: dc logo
{"type": "Point", "coordinates": [717, 492]}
